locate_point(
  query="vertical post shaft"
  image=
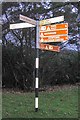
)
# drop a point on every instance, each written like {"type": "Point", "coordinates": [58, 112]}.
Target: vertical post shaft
{"type": "Point", "coordinates": [37, 67]}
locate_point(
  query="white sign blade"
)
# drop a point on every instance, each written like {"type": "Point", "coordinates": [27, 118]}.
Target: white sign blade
{"type": "Point", "coordinates": [27, 19]}
{"type": "Point", "coordinates": [21, 25]}
{"type": "Point", "coordinates": [52, 20]}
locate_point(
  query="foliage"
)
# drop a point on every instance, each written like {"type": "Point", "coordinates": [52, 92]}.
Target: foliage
{"type": "Point", "coordinates": [59, 68]}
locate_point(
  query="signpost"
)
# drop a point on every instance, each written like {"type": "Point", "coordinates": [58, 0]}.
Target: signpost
{"type": "Point", "coordinates": [54, 27]}
{"type": "Point", "coordinates": [48, 33]}
{"type": "Point", "coordinates": [55, 38]}
{"type": "Point", "coordinates": [51, 33]}
{"type": "Point", "coordinates": [50, 47]}
{"type": "Point", "coordinates": [37, 66]}
{"type": "Point", "coordinates": [27, 19]}
{"type": "Point", "coordinates": [21, 25]}
{"type": "Point", "coordinates": [54, 33]}
{"type": "Point", "coordinates": [52, 20]}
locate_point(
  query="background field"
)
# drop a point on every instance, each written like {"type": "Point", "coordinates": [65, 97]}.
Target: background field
{"type": "Point", "coordinates": [60, 102]}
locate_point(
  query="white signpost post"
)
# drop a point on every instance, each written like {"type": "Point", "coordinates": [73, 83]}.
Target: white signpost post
{"type": "Point", "coordinates": [43, 34]}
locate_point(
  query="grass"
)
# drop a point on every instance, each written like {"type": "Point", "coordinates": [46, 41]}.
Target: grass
{"type": "Point", "coordinates": [61, 103]}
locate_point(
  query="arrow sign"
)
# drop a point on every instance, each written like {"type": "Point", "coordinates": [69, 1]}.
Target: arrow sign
{"type": "Point", "coordinates": [56, 32]}
{"type": "Point", "coordinates": [50, 47]}
{"type": "Point", "coordinates": [52, 20]}
{"type": "Point", "coordinates": [53, 27]}
{"type": "Point", "coordinates": [21, 25]}
{"type": "Point", "coordinates": [55, 38]}
{"type": "Point", "coordinates": [27, 19]}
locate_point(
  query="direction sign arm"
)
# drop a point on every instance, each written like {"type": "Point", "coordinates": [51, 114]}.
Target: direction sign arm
{"type": "Point", "coordinates": [27, 19]}
{"type": "Point", "coordinates": [52, 20]}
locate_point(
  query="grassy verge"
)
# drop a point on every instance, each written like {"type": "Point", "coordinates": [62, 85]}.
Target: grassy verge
{"type": "Point", "coordinates": [62, 103]}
